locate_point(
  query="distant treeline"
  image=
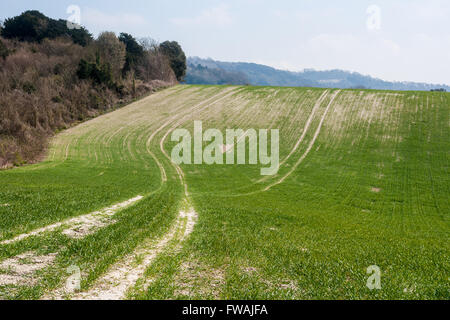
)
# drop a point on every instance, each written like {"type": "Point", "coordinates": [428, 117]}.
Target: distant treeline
{"type": "Point", "coordinates": [52, 76]}
{"type": "Point", "coordinates": [261, 75]}
{"type": "Point", "coordinates": [438, 90]}
{"type": "Point", "coordinates": [198, 74]}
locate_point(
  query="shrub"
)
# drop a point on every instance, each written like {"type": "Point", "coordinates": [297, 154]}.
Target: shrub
{"type": "Point", "coordinates": [176, 57]}
{"type": "Point", "coordinates": [57, 99]}
{"type": "Point", "coordinates": [156, 66]}
{"type": "Point", "coordinates": [111, 54]}
{"type": "Point", "coordinates": [28, 87]}
{"type": "Point", "coordinates": [4, 52]}
{"type": "Point", "coordinates": [100, 74]}
{"type": "Point", "coordinates": [34, 26]}
{"type": "Point", "coordinates": [84, 69]}
{"type": "Point", "coordinates": [134, 52]}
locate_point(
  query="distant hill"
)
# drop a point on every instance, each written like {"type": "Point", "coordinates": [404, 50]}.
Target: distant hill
{"type": "Point", "coordinates": [198, 74]}
{"type": "Point", "coordinates": [200, 70]}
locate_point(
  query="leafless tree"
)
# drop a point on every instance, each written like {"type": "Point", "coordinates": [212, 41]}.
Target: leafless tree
{"type": "Point", "coordinates": [112, 51]}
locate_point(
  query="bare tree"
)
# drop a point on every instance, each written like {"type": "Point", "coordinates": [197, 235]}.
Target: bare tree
{"type": "Point", "coordinates": [149, 44]}
{"type": "Point", "coordinates": [112, 51]}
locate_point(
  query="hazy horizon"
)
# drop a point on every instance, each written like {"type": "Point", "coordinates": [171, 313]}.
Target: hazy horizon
{"type": "Point", "coordinates": [318, 70]}
{"type": "Point", "coordinates": [392, 40]}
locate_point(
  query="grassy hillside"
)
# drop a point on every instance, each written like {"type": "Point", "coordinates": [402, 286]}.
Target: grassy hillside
{"type": "Point", "coordinates": [364, 181]}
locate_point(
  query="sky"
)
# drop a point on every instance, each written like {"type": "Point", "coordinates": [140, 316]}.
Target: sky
{"type": "Point", "coordinates": [395, 40]}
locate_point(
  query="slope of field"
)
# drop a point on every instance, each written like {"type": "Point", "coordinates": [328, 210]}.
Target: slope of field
{"type": "Point", "coordinates": [363, 181]}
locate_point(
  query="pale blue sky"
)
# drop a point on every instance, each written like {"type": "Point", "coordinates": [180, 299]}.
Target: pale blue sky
{"type": "Point", "coordinates": [412, 41]}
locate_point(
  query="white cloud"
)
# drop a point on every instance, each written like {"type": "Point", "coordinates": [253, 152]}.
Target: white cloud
{"type": "Point", "coordinates": [103, 21]}
{"type": "Point", "coordinates": [416, 57]}
{"type": "Point", "coordinates": [365, 54]}
{"type": "Point", "coordinates": [347, 46]}
{"type": "Point", "coordinates": [428, 10]}
{"type": "Point", "coordinates": [278, 64]}
{"type": "Point", "coordinates": [217, 16]}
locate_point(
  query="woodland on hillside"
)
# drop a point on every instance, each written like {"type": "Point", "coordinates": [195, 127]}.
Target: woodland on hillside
{"type": "Point", "coordinates": [53, 76]}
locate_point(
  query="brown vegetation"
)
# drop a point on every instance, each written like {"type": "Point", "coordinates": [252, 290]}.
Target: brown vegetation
{"type": "Point", "coordinates": [41, 93]}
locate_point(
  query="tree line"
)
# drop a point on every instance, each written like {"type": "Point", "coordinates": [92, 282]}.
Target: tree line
{"type": "Point", "coordinates": [127, 53]}
{"type": "Point", "coordinates": [52, 76]}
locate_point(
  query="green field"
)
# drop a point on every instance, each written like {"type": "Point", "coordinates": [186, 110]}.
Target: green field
{"type": "Point", "coordinates": [364, 181]}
